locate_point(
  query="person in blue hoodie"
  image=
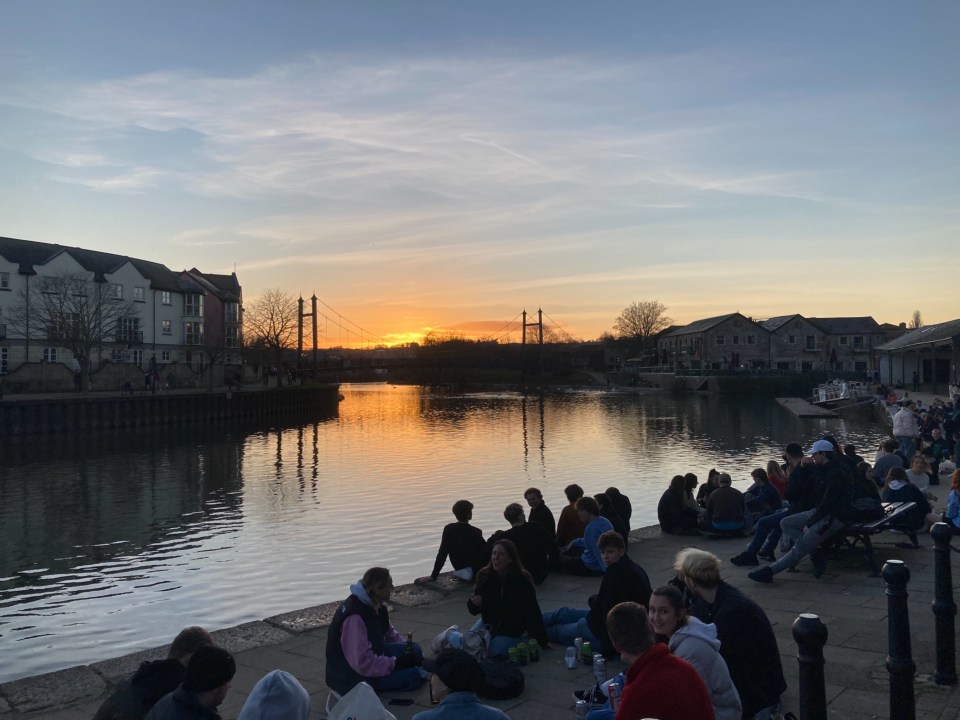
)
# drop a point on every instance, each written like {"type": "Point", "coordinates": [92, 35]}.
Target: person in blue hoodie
{"type": "Point", "coordinates": [456, 679]}
{"type": "Point", "coordinates": [278, 695]}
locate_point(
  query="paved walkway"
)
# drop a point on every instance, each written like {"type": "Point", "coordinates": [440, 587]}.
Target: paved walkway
{"type": "Point", "coordinates": [853, 606]}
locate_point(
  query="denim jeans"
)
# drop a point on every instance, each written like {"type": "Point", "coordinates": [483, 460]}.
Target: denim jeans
{"type": "Point", "coordinates": [805, 542]}
{"type": "Point", "coordinates": [908, 446]}
{"type": "Point", "coordinates": [767, 533]}
{"type": "Point", "coordinates": [399, 680]}
{"type": "Point", "coordinates": [565, 624]}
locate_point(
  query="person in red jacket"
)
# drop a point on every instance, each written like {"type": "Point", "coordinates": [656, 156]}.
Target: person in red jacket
{"type": "Point", "coordinates": [658, 685]}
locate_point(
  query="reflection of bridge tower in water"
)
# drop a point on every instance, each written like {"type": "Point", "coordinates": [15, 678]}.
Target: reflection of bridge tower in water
{"type": "Point", "coordinates": [538, 337]}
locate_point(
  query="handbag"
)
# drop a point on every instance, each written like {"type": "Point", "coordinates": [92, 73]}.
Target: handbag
{"type": "Point", "coordinates": [361, 703]}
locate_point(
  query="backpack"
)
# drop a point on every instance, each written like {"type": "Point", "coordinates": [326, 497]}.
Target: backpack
{"type": "Point", "coordinates": [501, 680]}
{"type": "Point", "coordinates": [866, 510]}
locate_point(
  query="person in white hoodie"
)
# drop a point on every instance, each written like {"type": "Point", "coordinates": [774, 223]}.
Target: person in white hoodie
{"type": "Point", "coordinates": [278, 695]}
{"type": "Point", "coordinates": [697, 643]}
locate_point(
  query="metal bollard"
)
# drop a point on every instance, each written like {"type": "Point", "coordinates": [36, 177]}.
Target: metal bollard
{"type": "Point", "coordinates": [900, 663]}
{"type": "Point", "coordinates": [944, 608]}
{"type": "Point", "coordinates": [811, 636]}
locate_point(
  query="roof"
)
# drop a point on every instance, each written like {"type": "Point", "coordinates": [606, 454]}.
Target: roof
{"type": "Point", "coordinates": [225, 287]}
{"type": "Point", "coordinates": [775, 323]}
{"type": "Point", "coordinates": [847, 325]}
{"type": "Point", "coordinates": [925, 335]}
{"type": "Point", "coordinates": [699, 326]}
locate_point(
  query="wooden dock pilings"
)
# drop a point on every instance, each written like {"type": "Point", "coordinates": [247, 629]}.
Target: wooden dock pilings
{"type": "Point", "coordinates": [71, 414]}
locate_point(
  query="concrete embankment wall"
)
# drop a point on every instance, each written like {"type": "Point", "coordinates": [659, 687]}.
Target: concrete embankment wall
{"type": "Point", "coordinates": [84, 414]}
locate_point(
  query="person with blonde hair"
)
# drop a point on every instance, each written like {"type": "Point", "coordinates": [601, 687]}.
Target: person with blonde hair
{"type": "Point", "coordinates": [952, 515]}
{"type": "Point", "coordinates": [747, 642]}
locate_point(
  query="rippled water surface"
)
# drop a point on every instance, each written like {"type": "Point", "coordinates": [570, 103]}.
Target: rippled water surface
{"type": "Point", "coordinates": [112, 544]}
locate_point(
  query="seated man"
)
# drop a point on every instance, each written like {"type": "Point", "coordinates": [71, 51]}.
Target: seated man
{"type": "Point", "coordinates": [457, 678]}
{"type": "Point", "coordinates": [582, 556]}
{"type": "Point", "coordinates": [540, 513]}
{"type": "Point", "coordinates": [205, 685]}
{"type": "Point", "coordinates": [134, 697]}
{"type": "Point", "coordinates": [623, 581]}
{"type": "Point", "coordinates": [532, 540]}
{"type": "Point", "coordinates": [726, 511]}
{"type": "Point", "coordinates": [462, 542]}
{"type": "Point", "coordinates": [658, 684]}
{"type": "Point", "coordinates": [569, 526]}
{"type": "Point", "coordinates": [747, 642]}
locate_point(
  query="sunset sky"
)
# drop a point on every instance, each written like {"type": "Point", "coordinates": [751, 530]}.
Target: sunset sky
{"type": "Point", "coordinates": [446, 164]}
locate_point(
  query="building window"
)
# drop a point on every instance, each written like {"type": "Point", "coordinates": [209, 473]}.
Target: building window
{"type": "Point", "coordinates": [231, 312]}
{"type": "Point", "coordinates": [843, 339]}
{"type": "Point", "coordinates": [193, 305]}
{"type": "Point", "coordinates": [751, 339]}
{"type": "Point", "coordinates": [138, 357]}
{"type": "Point", "coordinates": [806, 366]}
{"type": "Point", "coordinates": [165, 356]}
{"type": "Point", "coordinates": [736, 339]}
{"type": "Point", "coordinates": [115, 291]}
{"type": "Point", "coordinates": [784, 365]}
{"type": "Point", "coordinates": [138, 294]}
{"type": "Point", "coordinates": [166, 327]}
{"type": "Point", "coordinates": [193, 333]}
{"type": "Point", "coordinates": [791, 339]}
{"type": "Point", "coordinates": [50, 354]}
{"type": "Point", "coordinates": [858, 342]}
{"type": "Point", "coordinates": [165, 297]}
{"type": "Point", "coordinates": [3, 361]}
{"type": "Point", "coordinates": [128, 330]}
{"type": "Point", "coordinates": [4, 281]}
{"type": "Point", "coordinates": [48, 284]}
{"type": "Point", "coordinates": [720, 340]}
{"type": "Point", "coordinates": [231, 337]}
{"type": "Point", "coordinates": [811, 342]}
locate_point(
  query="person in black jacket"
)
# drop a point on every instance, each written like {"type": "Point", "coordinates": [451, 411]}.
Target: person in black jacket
{"type": "Point", "coordinates": [506, 600]}
{"type": "Point", "coordinates": [531, 539]}
{"type": "Point", "coordinates": [608, 511]}
{"type": "Point", "coordinates": [205, 685]}
{"type": "Point", "coordinates": [621, 503]}
{"type": "Point", "coordinates": [672, 510]}
{"type": "Point", "coordinates": [540, 513]}
{"type": "Point", "coordinates": [134, 697]}
{"type": "Point", "coordinates": [462, 542]}
{"type": "Point", "coordinates": [747, 642]}
{"type": "Point", "coordinates": [624, 581]}
{"type": "Point", "coordinates": [808, 530]}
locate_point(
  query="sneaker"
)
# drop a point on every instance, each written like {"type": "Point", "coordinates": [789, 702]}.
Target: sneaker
{"type": "Point", "coordinates": [744, 559]}
{"type": "Point", "coordinates": [593, 696]}
{"type": "Point", "coordinates": [763, 575]}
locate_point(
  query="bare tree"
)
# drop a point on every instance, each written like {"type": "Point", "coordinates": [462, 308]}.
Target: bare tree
{"type": "Point", "coordinates": [77, 313]}
{"type": "Point", "coordinates": [271, 322]}
{"type": "Point", "coordinates": [916, 321]}
{"type": "Point", "coordinates": [642, 320]}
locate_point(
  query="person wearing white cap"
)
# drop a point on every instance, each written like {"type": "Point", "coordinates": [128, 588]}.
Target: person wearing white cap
{"type": "Point", "coordinates": [808, 530]}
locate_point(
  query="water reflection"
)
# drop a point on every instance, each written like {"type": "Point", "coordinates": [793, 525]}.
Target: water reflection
{"type": "Point", "coordinates": [114, 543]}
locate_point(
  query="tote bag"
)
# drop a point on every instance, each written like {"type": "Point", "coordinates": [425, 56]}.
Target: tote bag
{"type": "Point", "coordinates": [361, 703]}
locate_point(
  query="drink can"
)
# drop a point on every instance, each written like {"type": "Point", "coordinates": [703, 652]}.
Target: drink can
{"type": "Point", "coordinates": [521, 650]}
{"type": "Point", "coordinates": [582, 708]}
{"type": "Point", "coordinates": [587, 652]}
{"type": "Point", "coordinates": [533, 649]}
{"type": "Point", "coordinates": [570, 656]}
{"type": "Point", "coordinates": [578, 644]}
{"type": "Point", "coordinates": [614, 693]}
{"type": "Point", "coordinates": [512, 654]}
{"type": "Point", "coordinates": [599, 667]}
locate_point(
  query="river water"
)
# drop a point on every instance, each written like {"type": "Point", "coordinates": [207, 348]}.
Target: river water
{"type": "Point", "coordinates": [112, 544]}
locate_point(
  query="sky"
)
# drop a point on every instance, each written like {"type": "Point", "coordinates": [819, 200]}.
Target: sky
{"type": "Point", "coordinates": [442, 166]}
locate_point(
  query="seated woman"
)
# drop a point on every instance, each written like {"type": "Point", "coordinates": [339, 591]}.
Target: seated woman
{"type": "Point", "coordinates": [506, 600]}
{"type": "Point", "coordinates": [777, 477]}
{"type": "Point", "coordinates": [898, 488]}
{"type": "Point", "coordinates": [952, 515]}
{"type": "Point", "coordinates": [672, 511]}
{"type": "Point", "coordinates": [708, 487]}
{"type": "Point", "coordinates": [362, 645]}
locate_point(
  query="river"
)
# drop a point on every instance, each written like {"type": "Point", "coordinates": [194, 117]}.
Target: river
{"type": "Point", "coordinates": [112, 544]}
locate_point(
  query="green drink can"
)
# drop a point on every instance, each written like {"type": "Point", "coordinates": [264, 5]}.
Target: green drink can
{"type": "Point", "coordinates": [521, 653]}
{"type": "Point", "coordinates": [512, 654]}
{"type": "Point", "coordinates": [587, 653]}
{"type": "Point", "coordinates": [533, 648]}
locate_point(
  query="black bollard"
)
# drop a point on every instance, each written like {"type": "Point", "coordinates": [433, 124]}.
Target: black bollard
{"type": "Point", "coordinates": [811, 636]}
{"type": "Point", "coordinates": [944, 607]}
{"type": "Point", "coordinates": [900, 663]}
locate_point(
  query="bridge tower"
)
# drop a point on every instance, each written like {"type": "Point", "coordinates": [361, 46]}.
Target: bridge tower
{"type": "Point", "coordinates": [300, 316]}
{"type": "Point", "coordinates": [538, 337]}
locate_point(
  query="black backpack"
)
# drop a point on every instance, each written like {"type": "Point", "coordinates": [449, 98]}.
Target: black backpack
{"type": "Point", "coordinates": [865, 510]}
{"type": "Point", "coordinates": [501, 680]}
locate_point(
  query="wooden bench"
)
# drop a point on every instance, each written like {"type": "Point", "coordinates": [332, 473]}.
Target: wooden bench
{"type": "Point", "coordinates": [894, 516]}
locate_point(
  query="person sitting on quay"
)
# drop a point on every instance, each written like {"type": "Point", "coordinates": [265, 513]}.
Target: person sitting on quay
{"type": "Point", "coordinates": [457, 678]}
{"type": "Point", "coordinates": [205, 685]}
{"type": "Point", "coordinates": [850, 451]}
{"type": "Point", "coordinates": [362, 645]}
{"type": "Point", "coordinates": [921, 474]}
{"type": "Point", "coordinates": [134, 697]}
{"type": "Point", "coordinates": [462, 542]}
{"type": "Point", "coordinates": [696, 642]}
{"type": "Point", "coordinates": [885, 459]}
{"type": "Point", "coordinates": [809, 530]}
{"type": "Point", "coordinates": [777, 476]}
{"type": "Point", "coordinates": [658, 684]}
{"type": "Point", "coordinates": [621, 503]}
{"type": "Point", "coordinates": [540, 513]}
{"type": "Point", "coordinates": [952, 514]}
{"type": "Point", "coordinates": [582, 556]}
{"type": "Point", "coordinates": [898, 488]}
{"type": "Point", "coordinates": [802, 493]}
{"type": "Point", "coordinates": [608, 511]}
{"type": "Point", "coordinates": [623, 581]}
{"type": "Point", "coordinates": [672, 512]}
{"type": "Point", "coordinates": [570, 526]}
{"type": "Point", "coordinates": [761, 498]}
{"type": "Point", "coordinates": [708, 487]}
{"type": "Point", "coordinates": [531, 540]}
{"type": "Point", "coordinates": [278, 695]}
{"type": "Point", "coordinates": [506, 600]}
{"type": "Point", "coordinates": [690, 482]}
{"type": "Point", "coordinates": [726, 509]}
{"type": "Point", "coordinates": [747, 642]}
{"type": "Point", "coordinates": [945, 470]}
